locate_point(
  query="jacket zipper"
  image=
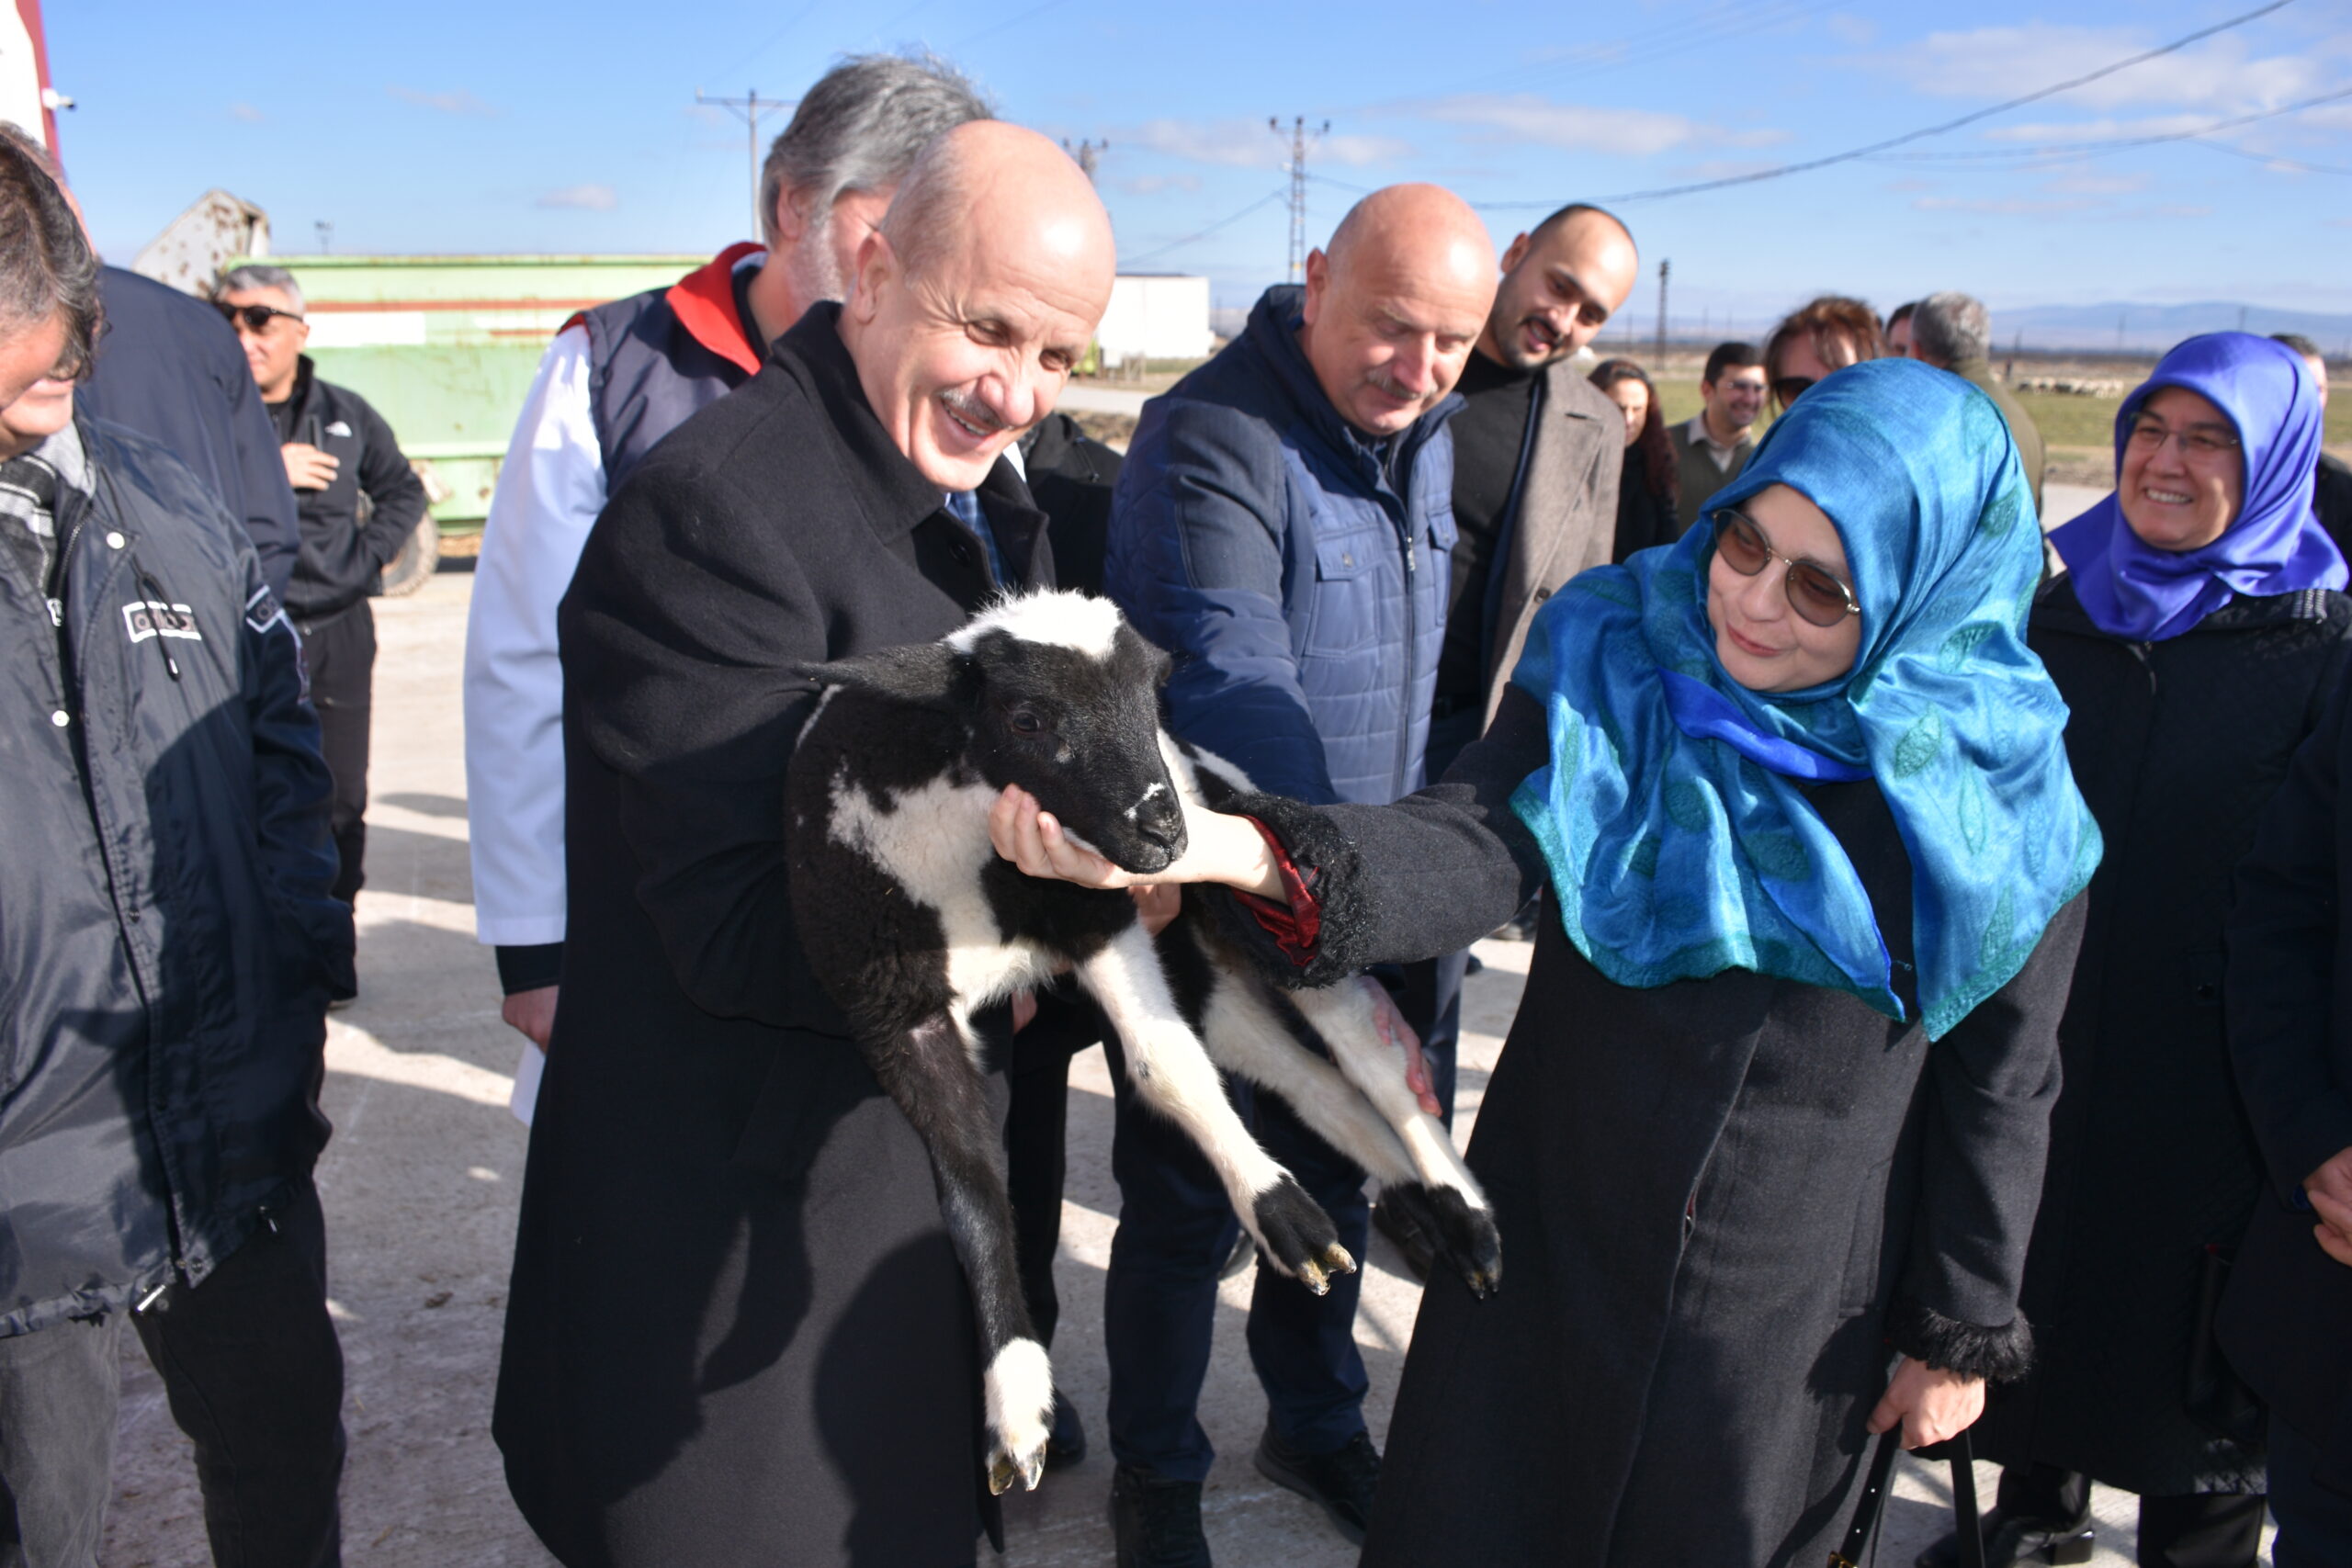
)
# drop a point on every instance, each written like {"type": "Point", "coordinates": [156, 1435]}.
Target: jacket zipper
{"type": "Point", "coordinates": [1412, 635]}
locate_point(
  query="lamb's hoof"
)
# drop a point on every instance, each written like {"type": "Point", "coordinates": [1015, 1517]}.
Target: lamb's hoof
{"type": "Point", "coordinates": [1004, 1470]}
{"type": "Point", "coordinates": [1019, 1386]}
{"type": "Point", "coordinates": [1462, 1233]}
{"type": "Point", "coordinates": [1299, 1237]}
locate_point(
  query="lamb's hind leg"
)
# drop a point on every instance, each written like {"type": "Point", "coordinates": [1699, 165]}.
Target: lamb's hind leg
{"type": "Point", "coordinates": [928, 1071]}
{"type": "Point", "coordinates": [1445, 1197]}
{"type": "Point", "coordinates": [1171, 1069]}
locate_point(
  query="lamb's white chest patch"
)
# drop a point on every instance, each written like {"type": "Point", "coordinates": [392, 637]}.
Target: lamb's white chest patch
{"type": "Point", "coordinates": [933, 842]}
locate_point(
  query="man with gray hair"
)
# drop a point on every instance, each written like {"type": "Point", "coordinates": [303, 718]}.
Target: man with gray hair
{"type": "Point", "coordinates": [614, 381]}
{"type": "Point", "coordinates": [738, 1335]}
{"type": "Point", "coordinates": [358, 501]}
{"type": "Point", "coordinates": [1953, 332]}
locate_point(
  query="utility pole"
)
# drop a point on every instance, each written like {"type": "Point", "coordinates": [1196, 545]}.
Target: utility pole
{"type": "Point", "coordinates": [1088, 154]}
{"type": "Point", "coordinates": [749, 108]}
{"type": "Point", "coordinates": [1665, 270]}
{"type": "Point", "coordinates": [1299, 139]}
{"type": "Point", "coordinates": [326, 235]}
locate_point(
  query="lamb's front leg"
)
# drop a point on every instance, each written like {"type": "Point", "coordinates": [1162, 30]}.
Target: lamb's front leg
{"type": "Point", "coordinates": [1171, 1069]}
{"type": "Point", "coordinates": [1446, 1200]}
{"type": "Point", "coordinates": [928, 1071]}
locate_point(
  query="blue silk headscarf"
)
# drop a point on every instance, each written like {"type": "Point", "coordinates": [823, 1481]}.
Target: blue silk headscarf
{"type": "Point", "coordinates": [1678, 843]}
{"type": "Point", "coordinates": [2130, 589]}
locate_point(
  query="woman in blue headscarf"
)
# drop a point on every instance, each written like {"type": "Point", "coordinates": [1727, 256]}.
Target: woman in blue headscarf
{"type": "Point", "coordinates": [1765, 1141]}
{"type": "Point", "coordinates": [2195, 636]}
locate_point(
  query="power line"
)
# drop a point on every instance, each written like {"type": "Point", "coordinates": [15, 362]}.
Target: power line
{"type": "Point", "coordinates": [1945, 128]}
{"type": "Point", "coordinates": [2047, 156]}
{"type": "Point", "coordinates": [1266, 200]}
{"type": "Point", "coordinates": [964, 43]}
{"type": "Point", "coordinates": [2273, 159]}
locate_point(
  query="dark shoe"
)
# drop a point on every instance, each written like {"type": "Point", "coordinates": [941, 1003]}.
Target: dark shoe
{"type": "Point", "coordinates": [1340, 1482]}
{"type": "Point", "coordinates": [1155, 1523]}
{"type": "Point", "coordinates": [1066, 1444]}
{"type": "Point", "coordinates": [1244, 1253]}
{"type": "Point", "coordinates": [1406, 1233]}
{"type": "Point", "coordinates": [2010, 1542]}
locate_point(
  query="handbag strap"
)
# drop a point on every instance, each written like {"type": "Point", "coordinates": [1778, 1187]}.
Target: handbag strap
{"type": "Point", "coordinates": [1876, 1484]}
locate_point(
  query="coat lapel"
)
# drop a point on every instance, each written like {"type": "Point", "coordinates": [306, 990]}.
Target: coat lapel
{"type": "Point", "coordinates": [1555, 533]}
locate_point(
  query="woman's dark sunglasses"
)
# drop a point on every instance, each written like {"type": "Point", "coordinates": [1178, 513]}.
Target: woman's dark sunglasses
{"type": "Point", "coordinates": [1789, 388]}
{"type": "Point", "coordinates": [1816, 592]}
{"type": "Point", "coordinates": [256, 317]}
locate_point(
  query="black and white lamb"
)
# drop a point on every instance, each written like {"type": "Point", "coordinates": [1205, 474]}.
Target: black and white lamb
{"type": "Point", "coordinates": [912, 923]}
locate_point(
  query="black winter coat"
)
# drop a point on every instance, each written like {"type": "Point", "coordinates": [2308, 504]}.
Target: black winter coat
{"type": "Point", "coordinates": [1724, 1204]}
{"type": "Point", "coordinates": [343, 557]}
{"type": "Point", "coordinates": [737, 1333]}
{"type": "Point", "coordinates": [2178, 746]}
{"type": "Point", "coordinates": [167, 944]}
{"type": "Point", "coordinates": [169, 368]}
{"type": "Point", "coordinates": [2290, 1038]}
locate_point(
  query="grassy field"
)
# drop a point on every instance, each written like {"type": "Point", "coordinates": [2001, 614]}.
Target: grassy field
{"type": "Point", "coordinates": [2078, 431]}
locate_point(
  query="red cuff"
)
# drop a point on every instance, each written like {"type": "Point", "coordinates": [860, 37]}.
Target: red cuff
{"type": "Point", "coordinates": [1295, 926]}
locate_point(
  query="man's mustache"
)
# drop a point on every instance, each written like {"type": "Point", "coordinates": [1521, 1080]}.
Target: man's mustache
{"type": "Point", "coordinates": [971, 411]}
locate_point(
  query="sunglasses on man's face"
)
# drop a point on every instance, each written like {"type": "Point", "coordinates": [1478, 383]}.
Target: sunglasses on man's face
{"type": "Point", "coordinates": [1789, 388]}
{"type": "Point", "coordinates": [254, 318]}
{"type": "Point", "coordinates": [1816, 592]}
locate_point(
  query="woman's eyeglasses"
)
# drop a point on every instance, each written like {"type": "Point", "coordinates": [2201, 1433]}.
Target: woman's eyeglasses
{"type": "Point", "coordinates": [255, 317]}
{"type": "Point", "coordinates": [2197, 442]}
{"type": "Point", "coordinates": [1789, 388]}
{"type": "Point", "coordinates": [1816, 592]}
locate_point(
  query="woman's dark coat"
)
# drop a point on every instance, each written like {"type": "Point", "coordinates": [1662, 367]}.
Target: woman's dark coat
{"type": "Point", "coordinates": [1646, 517]}
{"type": "Point", "coordinates": [1725, 1203]}
{"type": "Point", "coordinates": [738, 1333]}
{"type": "Point", "coordinates": [2178, 746]}
{"type": "Point", "coordinates": [2290, 1040]}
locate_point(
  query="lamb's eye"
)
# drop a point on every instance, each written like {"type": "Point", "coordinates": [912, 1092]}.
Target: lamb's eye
{"type": "Point", "coordinates": [1023, 722]}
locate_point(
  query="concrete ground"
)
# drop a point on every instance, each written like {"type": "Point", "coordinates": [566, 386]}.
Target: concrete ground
{"type": "Point", "coordinates": [422, 1180]}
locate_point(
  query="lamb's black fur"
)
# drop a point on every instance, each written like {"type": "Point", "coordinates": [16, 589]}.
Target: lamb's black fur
{"type": "Point", "coordinates": [911, 922]}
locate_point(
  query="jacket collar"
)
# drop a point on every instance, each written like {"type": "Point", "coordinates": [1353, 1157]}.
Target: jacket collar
{"type": "Point", "coordinates": [703, 302]}
{"type": "Point", "coordinates": [1274, 332]}
{"type": "Point", "coordinates": [899, 497]}
{"type": "Point", "coordinates": [2058, 609]}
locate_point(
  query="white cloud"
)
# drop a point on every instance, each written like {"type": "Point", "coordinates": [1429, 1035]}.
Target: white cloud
{"type": "Point", "coordinates": [1527, 117]}
{"type": "Point", "coordinates": [2096, 185]}
{"type": "Point", "coordinates": [459, 102]}
{"type": "Point", "coordinates": [586, 198]}
{"type": "Point", "coordinates": [247, 113]}
{"type": "Point", "coordinates": [1153, 185]}
{"type": "Point", "coordinates": [1251, 145]}
{"type": "Point", "coordinates": [1856, 30]}
{"type": "Point", "coordinates": [1999, 63]}
{"type": "Point", "coordinates": [2108, 130]}
{"type": "Point", "coordinates": [2007, 206]}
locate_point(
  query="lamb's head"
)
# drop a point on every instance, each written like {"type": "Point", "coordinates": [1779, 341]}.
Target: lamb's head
{"type": "Point", "coordinates": [1061, 696]}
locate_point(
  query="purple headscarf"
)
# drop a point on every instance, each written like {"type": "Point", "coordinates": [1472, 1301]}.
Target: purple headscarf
{"type": "Point", "coordinates": [2130, 589]}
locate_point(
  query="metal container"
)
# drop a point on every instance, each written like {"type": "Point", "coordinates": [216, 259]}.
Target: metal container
{"type": "Point", "coordinates": [445, 346]}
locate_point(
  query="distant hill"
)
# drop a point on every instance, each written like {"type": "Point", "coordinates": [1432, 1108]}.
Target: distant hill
{"type": "Point", "coordinates": [2158, 327]}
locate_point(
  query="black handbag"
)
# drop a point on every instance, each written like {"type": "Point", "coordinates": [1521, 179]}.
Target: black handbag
{"type": "Point", "coordinates": [1873, 1502]}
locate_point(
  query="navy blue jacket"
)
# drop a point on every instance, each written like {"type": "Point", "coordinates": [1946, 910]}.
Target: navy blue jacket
{"type": "Point", "coordinates": [657, 358]}
{"type": "Point", "coordinates": [169, 942]}
{"type": "Point", "coordinates": [169, 368]}
{"type": "Point", "coordinates": [1300, 578]}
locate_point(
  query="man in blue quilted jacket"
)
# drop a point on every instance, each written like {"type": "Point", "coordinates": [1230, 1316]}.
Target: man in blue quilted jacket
{"type": "Point", "coordinates": [1282, 525]}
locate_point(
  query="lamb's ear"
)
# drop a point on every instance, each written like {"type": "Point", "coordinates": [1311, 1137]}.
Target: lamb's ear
{"type": "Point", "coordinates": [923, 674]}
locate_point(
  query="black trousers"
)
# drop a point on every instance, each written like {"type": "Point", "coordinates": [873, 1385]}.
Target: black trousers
{"type": "Point", "coordinates": [2203, 1529]}
{"type": "Point", "coordinates": [340, 652]}
{"type": "Point", "coordinates": [254, 1374]}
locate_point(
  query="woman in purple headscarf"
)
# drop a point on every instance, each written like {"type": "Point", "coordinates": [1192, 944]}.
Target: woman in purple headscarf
{"type": "Point", "coordinates": [2195, 635]}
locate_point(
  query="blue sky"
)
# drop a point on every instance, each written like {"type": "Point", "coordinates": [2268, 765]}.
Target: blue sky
{"type": "Point", "coordinates": [488, 127]}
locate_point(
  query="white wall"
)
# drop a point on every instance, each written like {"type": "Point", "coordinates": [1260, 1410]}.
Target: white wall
{"type": "Point", "coordinates": [1155, 318]}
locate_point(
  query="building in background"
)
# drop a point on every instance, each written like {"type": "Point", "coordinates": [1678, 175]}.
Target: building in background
{"type": "Point", "coordinates": [1155, 315]}
{"type": "Point", "coordinates": [25, 95]}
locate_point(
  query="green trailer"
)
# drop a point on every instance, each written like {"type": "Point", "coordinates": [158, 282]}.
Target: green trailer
{"type": "Point", "coordinates": [445, 346]}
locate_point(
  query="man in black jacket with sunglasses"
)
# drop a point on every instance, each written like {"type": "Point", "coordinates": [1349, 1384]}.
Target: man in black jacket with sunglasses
{"type": "Point", "coordinates": [359, 501]}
